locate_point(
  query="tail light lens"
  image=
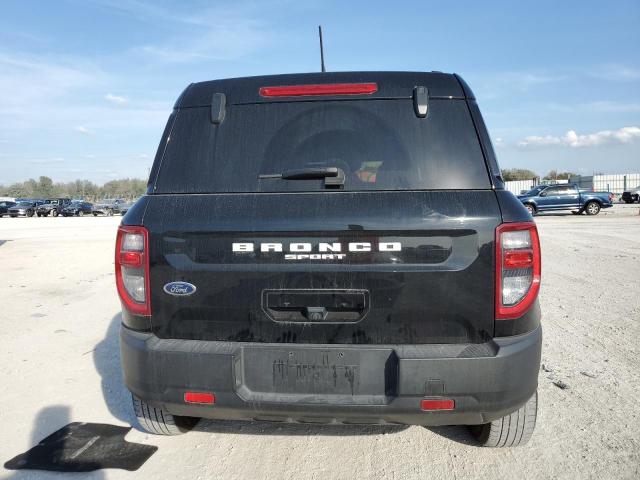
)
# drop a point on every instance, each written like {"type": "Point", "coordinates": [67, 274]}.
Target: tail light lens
{"type": "Point", "coordinates": [518, 267]}
{"type": "Point", "coordinates": [132, 269]}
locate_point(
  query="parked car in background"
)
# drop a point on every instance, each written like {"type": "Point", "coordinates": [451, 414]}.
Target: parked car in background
{"type": "Point", "coordinates": [22, 209]}
{"type": "Point", "coordinates": [77, 209]}
{"type": "Point", "coordinates": [124, 208]}
{"type": "Point", "coordinates": [568, 196]}
{"type": "Point", "coordinates": [631, 195]}
{"type": "Point", "coordinates": [52, 206]}
{"type": "Point", "coordinates": [110, 206]}
{"type": "Point", "coordinates": [5, 205]}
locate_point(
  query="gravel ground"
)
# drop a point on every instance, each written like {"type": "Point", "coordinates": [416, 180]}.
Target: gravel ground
{"type": "Point", "coordinates": [59, 363]}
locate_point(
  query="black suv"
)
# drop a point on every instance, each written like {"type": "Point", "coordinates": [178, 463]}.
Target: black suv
{"type": "Point", "coordinates": [334, 247]}
{"type": "Point", "coordinates": [77, 208]}
{"type": "Point", "coordinates": [5, 205]}
{"type": "Point", "coordinates": [52, 206]}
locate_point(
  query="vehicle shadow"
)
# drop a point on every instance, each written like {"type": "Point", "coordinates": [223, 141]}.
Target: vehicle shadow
{"type": "Point", "coordinates": [106, 357]}
{"type": "Point", "coordinates": [455, 433]}
{"type": "Point", "coordinates": [566, 213]}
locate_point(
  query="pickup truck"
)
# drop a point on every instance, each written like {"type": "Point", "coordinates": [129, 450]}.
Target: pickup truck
{"type": "Point", "coordinates": [330, 248]}
{"type": "Point", "coordinates": [546, 198]}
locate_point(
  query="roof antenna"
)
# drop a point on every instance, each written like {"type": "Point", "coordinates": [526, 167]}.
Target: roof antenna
{"type": "Point", "coordinates": [321, 50]}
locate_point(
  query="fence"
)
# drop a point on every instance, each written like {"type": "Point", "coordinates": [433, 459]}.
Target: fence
{"type": "Point", "coordinates": [616, 183]}
{"type": "Point", "coordinates": [598, 183]}
{"type": "Point", "coordinates": [517, 186]}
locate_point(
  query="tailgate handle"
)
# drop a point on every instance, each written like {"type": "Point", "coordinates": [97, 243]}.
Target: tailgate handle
{"type": "Point", "coordinates": [328, 306]}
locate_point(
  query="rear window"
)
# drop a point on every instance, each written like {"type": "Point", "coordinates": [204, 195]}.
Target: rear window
{"type": "Point", "coordinates": [380, 145]}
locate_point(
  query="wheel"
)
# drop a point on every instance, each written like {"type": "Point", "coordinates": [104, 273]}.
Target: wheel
{"type": "Point", "coordinates": [39, 215]}
{"type": "Point", "coordinates": [510, 431]}
{"type": "Point", "coordinates": [531, 208]}
{"type": "Point", "coordinates": [109, 212]}
{"type": "Point", "coordinates": [95, 214]}
{"type": "Point", "coordinates": [80, 213]}
{"type": "Point", "coordinates": [160, 422]}
{"type": "Point", "coordinates": [592, 208]}
{"type": "Point", "coordinates": [54, 212]}
{"type": "Point", "coordinates": [29, 213]}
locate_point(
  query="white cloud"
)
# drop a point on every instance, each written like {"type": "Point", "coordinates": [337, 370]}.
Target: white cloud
{"type": "Point", "coordinates": [494, 85]}
{"type": "Point", "coordinates": [83, 130]}
{"type": "Point", "coordinates": [32, 79]}
{"type": "Point", "coordinates": [216, 42]}
{"type": "Point", "coordinates": [44, 161]}
{"type": "Point", "coordinates": [210, 33]}
{"type": "Point", "coordinates": [116, 99]}
{"type": "Point", "coordinates": [574, 140]}
{"type": "Point", "coordinates": [616, 72]}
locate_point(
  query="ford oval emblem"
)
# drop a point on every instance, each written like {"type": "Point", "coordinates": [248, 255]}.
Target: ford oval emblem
{"type": "Point", "coordinates": [180, 289]}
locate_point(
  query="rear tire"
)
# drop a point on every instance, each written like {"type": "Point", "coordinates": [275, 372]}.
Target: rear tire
{"type": "Point", "coordinates": [530, 208]}
{"type": "Point", "coordinates": [54, 213]}
{"type": "Point", "coordinates": [592, 208]}
{"type": "Point", "coordinates": [160, 422]}
{"type": "Point", "coordinates": [509, 431]}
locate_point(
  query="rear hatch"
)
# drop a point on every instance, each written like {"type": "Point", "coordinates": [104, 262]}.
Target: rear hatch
{"type": "Point", "coordinates": [402, 253]}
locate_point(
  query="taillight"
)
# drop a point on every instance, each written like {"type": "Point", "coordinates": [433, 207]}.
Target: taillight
{"type": "Point", "coordinates": [518, 267]}
{"type": "Point", "coordinates": [132, 269]}
{"type": "Point", "coordinates": [319, 89]}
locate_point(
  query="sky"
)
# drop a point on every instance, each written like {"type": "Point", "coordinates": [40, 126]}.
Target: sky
{"type": "Point", "coordinates": [86, 86]}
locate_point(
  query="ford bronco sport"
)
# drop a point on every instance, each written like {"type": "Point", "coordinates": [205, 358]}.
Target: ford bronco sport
{"type": "Point", "coordinates": [331, 247]}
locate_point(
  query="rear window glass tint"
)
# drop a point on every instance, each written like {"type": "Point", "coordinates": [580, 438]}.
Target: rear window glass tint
{"type": "Point", "coordinates": [380, 145]}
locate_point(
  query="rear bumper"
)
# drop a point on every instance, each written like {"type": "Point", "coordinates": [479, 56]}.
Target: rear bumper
{"type": "Point", "coordinates": [487, 381]}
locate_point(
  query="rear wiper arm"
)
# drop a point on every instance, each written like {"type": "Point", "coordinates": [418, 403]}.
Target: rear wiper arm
{"type": "Point", "coordinates": [303, 173]}
{"type": "Point", "coordinates": [333, 176]}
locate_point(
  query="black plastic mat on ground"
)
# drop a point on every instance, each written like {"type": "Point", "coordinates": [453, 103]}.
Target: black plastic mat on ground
{"type": "Point", "coordinates": [83, 447]}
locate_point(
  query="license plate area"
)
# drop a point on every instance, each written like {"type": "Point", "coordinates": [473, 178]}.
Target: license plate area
{"type": "Point", "coordinates": [316, 375]}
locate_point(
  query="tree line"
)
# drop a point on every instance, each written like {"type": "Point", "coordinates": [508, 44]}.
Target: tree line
{"type": "Point", "coordinates": [44, 187]}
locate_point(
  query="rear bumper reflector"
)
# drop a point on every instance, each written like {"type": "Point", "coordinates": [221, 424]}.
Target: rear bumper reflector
{"type": "Point", "coordinates": [431, 404]}
{"type": "Point", "coordinates": [200, 397]}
